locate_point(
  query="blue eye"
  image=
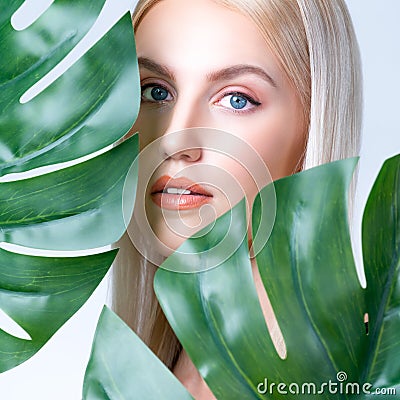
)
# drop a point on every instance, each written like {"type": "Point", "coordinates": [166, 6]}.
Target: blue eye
{"type": "Point", "coordinates": [159, 93]}
{"type": "Point", "coordinates": [238, 102]}
{"type": "Point", "coordinates": [153, 93]}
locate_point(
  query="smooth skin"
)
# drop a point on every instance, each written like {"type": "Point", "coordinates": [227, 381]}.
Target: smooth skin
{"type": "Point", "coordinates": [204, 65]}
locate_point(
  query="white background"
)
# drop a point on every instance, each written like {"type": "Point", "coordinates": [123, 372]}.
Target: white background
{"type": "Point", "coordinates": [57, 371]}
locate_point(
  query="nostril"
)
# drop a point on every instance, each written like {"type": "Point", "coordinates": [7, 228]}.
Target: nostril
{"type": "Point", "coordinates": [189, 154]}
{"type": "Point", "coordinates": [181, 145]}
{"type": "Point", "coordinates": [193, 154]}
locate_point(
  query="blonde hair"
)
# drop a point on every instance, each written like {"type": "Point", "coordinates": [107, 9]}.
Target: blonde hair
{"type": "Point", "coordinates": [315, 44]}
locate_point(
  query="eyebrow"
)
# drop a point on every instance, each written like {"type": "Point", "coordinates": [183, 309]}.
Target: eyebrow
{"type": "Point", "coordinates": [155, 67]}
{"type": "Point", "coordinates": [223, 74]}
{"type": "Point", "coordinates": [241, 69]}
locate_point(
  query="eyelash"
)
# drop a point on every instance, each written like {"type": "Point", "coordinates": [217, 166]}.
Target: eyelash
{"type": "Point", "coordinates": [154, 85]}
{"type": "Point", "coordinates": [232, 93]}
{"type": "Point", "coordinates": [245, 96]}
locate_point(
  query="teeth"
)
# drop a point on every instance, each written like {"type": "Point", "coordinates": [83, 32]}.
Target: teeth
{"type": "Point", "coordinates": [176, 191]}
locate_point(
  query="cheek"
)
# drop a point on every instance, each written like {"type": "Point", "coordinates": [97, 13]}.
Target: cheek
{"type": "Point", "coordinates": [150, 124]}
{"type": "Point", "coordinates": [279, 140]}
{"type": "Point", "coordinates": [242, 172]}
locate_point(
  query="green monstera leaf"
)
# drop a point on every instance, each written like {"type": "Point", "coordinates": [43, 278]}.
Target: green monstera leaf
{"type": "Point", "coordinates": [40, 294]}
{"type": "Point", "coordinates": [113, 371]}
{"type": "Point", "coordinates": [73, 207]}
{"type": "Point", "coordinates": [87, 108]}
{"type": "Point", "coordinates": [381, 250]}
{"type": "Point", "coordinates": [308, 271]}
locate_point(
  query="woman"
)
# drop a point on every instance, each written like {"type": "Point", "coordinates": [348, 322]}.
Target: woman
{"type": "Point", "coordinates": [281, 76]}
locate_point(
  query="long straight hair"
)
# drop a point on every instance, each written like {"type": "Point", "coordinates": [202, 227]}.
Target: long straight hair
{"type": "Point", "coordinates": [315, 45]}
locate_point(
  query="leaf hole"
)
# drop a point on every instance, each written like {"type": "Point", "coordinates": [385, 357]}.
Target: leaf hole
{"type": "Point", "coordinates": [366, 323]}
{"type": "Point", "coordinates": [8, 325]}
{"type": "Point", "coordinates": [29, 12]}
{"type": "Point", "coordinates": [269, 314]}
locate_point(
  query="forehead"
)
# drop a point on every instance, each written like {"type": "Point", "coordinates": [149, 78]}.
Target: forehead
{"type": "Point", "coordinates": [200, 33]}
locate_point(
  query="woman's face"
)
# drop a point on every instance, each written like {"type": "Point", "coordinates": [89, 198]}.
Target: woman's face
{"type": "Point", "coordinates": [205, 66]}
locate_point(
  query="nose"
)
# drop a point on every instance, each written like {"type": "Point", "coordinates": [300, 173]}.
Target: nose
{"type": "Point", "coordinates": [181, 139]}
{"type": "Point", "coordinates": [181, 145]}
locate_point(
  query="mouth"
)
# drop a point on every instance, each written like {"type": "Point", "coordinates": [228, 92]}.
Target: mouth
{"type": "Point", "coordinates": [178, 193]}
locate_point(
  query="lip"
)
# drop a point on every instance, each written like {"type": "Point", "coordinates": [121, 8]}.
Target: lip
{"type": "Point", "coordinates": [179, 201]}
